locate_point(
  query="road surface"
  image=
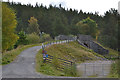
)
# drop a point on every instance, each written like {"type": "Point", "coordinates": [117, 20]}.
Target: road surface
{"type": "Point", "coordinates": [24, 65]}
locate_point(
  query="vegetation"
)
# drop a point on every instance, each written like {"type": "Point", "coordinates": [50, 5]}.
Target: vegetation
{"type": "Point", "coordinates": [46, 37]}
{"type": "Point", "coordinates": [114, 73]}
{"type": "Point", "coordinates": [115, 70]}
{"type": "Point", "coordinates": [22, 39]}
{"type": "Point", "coordinates": [54, 20]}
{"type": "Point", "coordinates": [87, 26]}
{"type": "Point", "coordinates": [69, 21]}
{"type": "Point", "coordinates": [33, 26]}
{"type": "Point", "coordinates": [0, 28]}
{"type": "Point", "coordinates": [9, 23]}
{"type": "Point", "coordinates": [46, 68]}
{"type": "Point", "coordinates": [33, 38]}
{"type": "Point", "coordinates": [113, 54]}
{"type": "Point", "coordinates": [72, 52]}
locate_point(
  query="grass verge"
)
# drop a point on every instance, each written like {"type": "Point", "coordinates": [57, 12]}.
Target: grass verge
{"type": "Point", "coordinates": [10, 56]}
{"type": "Point", "coordinates": [113, 54]}
{"type": "Point", "coordinates": [114, 73]}
{"type": "Point", "coordinates": [48, 68]}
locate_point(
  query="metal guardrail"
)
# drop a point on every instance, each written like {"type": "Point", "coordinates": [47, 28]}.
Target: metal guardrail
{"type": "Point", "coordinates": [57, 42]}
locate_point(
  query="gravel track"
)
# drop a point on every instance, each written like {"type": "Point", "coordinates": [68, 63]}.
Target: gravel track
{"type": "Point", "coordinates": [24, 66]}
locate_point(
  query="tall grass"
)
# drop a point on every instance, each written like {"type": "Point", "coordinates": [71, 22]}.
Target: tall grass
{"type": "Point", "coordinates": [115, 70]}
{"type": "Point", "coordinates": [71, 70]}
{"type": "Point", "coordinates": [68, 51]}
{"type": "Point", "coordinates": [46, 68]}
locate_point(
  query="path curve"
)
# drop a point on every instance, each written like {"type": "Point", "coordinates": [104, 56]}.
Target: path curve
{"type": "Point", "coordinates": [24, 65]}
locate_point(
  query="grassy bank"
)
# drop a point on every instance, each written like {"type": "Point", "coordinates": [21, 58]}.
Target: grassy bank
{"type": "Point", "coordinates": [72, 51]}
{"type": "Point", "coordinates": [115, 70]}
{"type": "Point", "coordinates": [115, 67]}
{"type": "Point", "coordinates": [113, 54]}
{"type": "Point", "coordinates": [47, 69]}
{"type": "Point", "coordinates": [10, 56]}
{"type": "Point", "coordinates": [68, 51]}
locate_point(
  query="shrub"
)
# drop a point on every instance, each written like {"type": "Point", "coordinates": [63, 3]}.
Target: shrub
{"type": "Point", "coordinates": [33, 38]}
{"type": "Point", "coordinates": [71, 70]}
{"type": "Point", "coordinates": [46, 37]}
{"type": "Point", "coordinates": [22, 39]}
{"type": "Point", "coordinates": [115, 71]}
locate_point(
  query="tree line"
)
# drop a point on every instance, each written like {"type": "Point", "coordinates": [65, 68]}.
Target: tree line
{"type": "Point", "coordinates": [57, 20]}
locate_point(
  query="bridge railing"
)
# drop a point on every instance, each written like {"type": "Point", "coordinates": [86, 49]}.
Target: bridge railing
{"type": "Point", "coordinates": [56, 42]}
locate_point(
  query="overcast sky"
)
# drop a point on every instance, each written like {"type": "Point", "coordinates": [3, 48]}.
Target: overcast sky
{"type": "Point", "coordinates": [100, 6]}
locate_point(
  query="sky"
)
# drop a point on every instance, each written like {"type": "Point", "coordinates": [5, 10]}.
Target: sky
{"type": "Point", "coordinates": [100, 6]}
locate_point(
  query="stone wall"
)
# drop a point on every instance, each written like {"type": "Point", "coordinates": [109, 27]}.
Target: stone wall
{"type": "Point", "coordinates": [97, 48]}
{"type": "Point", "coordinates": [87, 41]}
